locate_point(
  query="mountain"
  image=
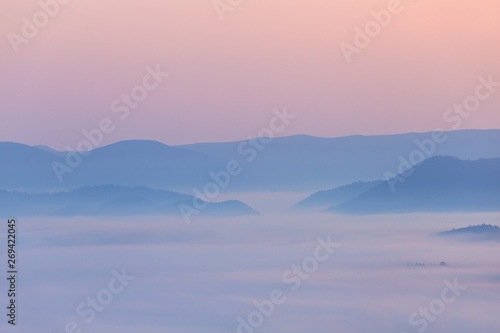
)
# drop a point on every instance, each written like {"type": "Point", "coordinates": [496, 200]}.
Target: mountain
{"type": "Point", "coordinates": [110, 201]}
{"type": "Point", "coordinates": [126, 163]}
{"type": "Point", "coordinates": [474, 232]}
{"type": "Point", "coordinates": [294, 163]}
{"type": "Point", "coordinates": [440, 184]}
{"type": "Point", "coordinates": [336, 196]}
{"type": "Point", "coordinates": [306, 163]}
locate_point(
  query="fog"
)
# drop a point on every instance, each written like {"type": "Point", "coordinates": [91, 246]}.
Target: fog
{"type": "Point", "coordinates": [203, 276]}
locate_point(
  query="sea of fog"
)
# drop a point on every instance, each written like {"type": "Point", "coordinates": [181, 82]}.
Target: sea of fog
{"type": "Point", "coordinates": [275, 272]}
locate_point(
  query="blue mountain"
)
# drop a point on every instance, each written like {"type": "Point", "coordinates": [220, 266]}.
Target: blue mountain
{"type": "Point", "coordinates": [307, 163]}
{"type": "Point", "coordinates": [336, 196]}
{"type": "Point", "coordinates": [126, 163]}
{"type": "Point", "coordinates": [294, 163]}
{"type": "Point", "coordinates": [474, 232]}
{"type": "Point", "coordinates": [440, 184]}
{"type": "Point", "coordinates": [110, 200]}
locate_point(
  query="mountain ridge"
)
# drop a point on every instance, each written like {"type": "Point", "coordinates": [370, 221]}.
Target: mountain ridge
{"type": "Point", "coordinates": [294, 163]}
{"type": "Point", "coordinates": [112, 200]}
{"type": "Point", "coordinates": [439, 184]}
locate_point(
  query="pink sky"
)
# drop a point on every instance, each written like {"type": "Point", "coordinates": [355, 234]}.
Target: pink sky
{"type": "Point", "coordinates": [227, 76]}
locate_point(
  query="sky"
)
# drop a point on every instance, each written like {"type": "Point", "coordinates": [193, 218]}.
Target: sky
{"type": "Point", "coordinates": [225, 76]}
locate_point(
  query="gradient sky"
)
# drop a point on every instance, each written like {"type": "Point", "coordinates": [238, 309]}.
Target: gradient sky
{"type": "Point", "coordinates": [227, 76]}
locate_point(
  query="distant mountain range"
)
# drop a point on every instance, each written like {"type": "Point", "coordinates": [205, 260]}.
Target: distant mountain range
{"type": "Point", "coordinates": [126, 163]}
{"type": "Point", "coordinates": [306, 163]}
{"type": "Point", "coordinates": [474, 232]}
{"type": "Point", "coordinates": [439, 184]}
{"type": "Point", "coordinates": [111, 201]}
{"type": "Point", "coordinates": [295, 163]}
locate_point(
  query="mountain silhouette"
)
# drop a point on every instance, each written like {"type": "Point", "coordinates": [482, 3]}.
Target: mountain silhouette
{"type": "Point", "coordinates": [110, 200]}
{"type": "Point", "coordinates": [294, 163]}
{"type": "Point", "coordinates": [474, 232]}
{"type": "Point", "coordinates": [336, 196]}
{"type": "Point", "coordinates": [307, 163]}
{"type": "Point", "coordinates": [439, 184]}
